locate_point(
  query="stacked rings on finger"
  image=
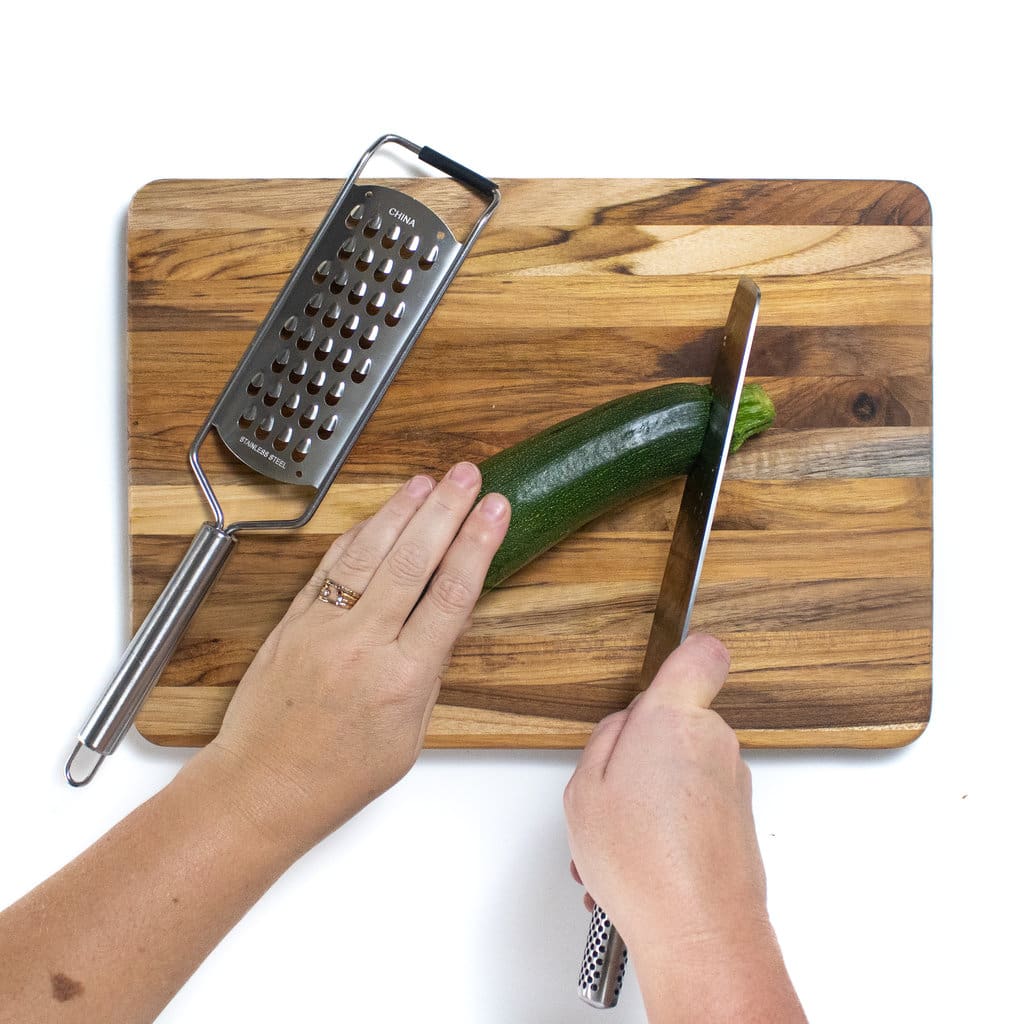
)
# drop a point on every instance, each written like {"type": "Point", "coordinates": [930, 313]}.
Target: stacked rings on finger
{"type": "Point", "coordinates": [336, 594]}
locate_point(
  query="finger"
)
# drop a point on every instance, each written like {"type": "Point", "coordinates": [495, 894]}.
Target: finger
{"type": "Point", "coordinates": [588, 902]}
{"type": "Point", "coordinates": [595, 755]}
{"type": "Point", "coordinates": [312, 586]}
{"type": "Point", "coordinates": [693, 673]}
{"type": "Point", "coordinates": [436, 622]}
{"type": "Point", "coordinates": [352, 560]}
{"type": "Point", "coordinates": [400, 578]}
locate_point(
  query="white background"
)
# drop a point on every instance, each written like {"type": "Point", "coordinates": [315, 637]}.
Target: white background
{"type": "Point", "coordinates": [894, 876]}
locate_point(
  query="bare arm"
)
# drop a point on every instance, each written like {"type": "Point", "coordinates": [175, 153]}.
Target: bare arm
{"type": "Point", "coordinates": [114, 934]}
{"type": "Point", "coordinates": [331, 713]}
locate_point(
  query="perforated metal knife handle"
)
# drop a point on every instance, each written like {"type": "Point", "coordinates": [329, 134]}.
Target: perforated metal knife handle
{"type": "Point", "coordinates": [604, 963]}
{"type": "Point", "coordinates": [151, 648]}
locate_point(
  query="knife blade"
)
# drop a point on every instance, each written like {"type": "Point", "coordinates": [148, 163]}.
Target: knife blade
{"type": "Point", "coordinates": [703, 483]}
{"type": "Point", "coordinates": [604, 959]}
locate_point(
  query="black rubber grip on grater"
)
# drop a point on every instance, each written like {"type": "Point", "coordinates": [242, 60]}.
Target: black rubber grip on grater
{"type": "Point", "coordinates": [457, 171]}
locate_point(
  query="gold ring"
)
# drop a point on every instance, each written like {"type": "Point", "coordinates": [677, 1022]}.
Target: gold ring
{"type": "Point", "coordinates": [336, 594]}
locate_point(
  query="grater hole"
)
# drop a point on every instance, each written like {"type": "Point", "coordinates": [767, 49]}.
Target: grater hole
{"type": "Point", "coordinates": [272, 396]}
{"type": "Point", "coordinates": [402, 282]}
{"type": "Point", "coordinates": [298, 371]}
{"type": "Point", "coordinates": [342, 360]}
{"type": "Point", "coordinates": [316, 382]}
{"type": "Point", "coordinates": [348, 247]}
{"type": "Point", "coordinates": [314, 304]}
{"type": "Point", "coordinates": [396, 314]}
{"type": "Point", "coordinates": [309, 415]}
{"type": "Point", "coordinates": [383, 269]}
{"type": "Point", "coordinates": [283, 439]}
{"type": "Point", "coordinates": [358, 293]}
{"type": "Point", "coordinates": [301, 450]}
{"type": "Point", "coordinates": [355, 215]}
{"type": "Point", "coordinates": [337, 286]}
{"type": "Point", "coordinates": [427, 261]}
{"type": "Point", "coordinates": [333, 397]}
{"type": "Point", "coordinates": [265, 426]}
{"type": "Point", "coordinates": [369, 336]}
{"type": "Point", "coordinates": [376, 303]}
{"type": "Point", "coordinates": [307, 338]}
{"type": "Point", "coordinates": [328, 428]}
{"type": "Point", "coordinates": [324, 349]}
{"type": "Point", "coordinates": [290, 326]}
{"type": "Point", "coordinates": [366, 257]}
{"type": "Point", "coordinates": [255, 385]}
{"type": "Point", "coordinates": [322, 272]}
{"type": "Point", "coordinates": [391, 236]}
{"type": "Point", "coordinates": [350, 326]}
{"type": "Point", "coordinates": [373, 227]}
{"type": "Point", "coordinates": [281, 361]}
{"type": "Point", "coordinates": [289, 407]}
{"type": "Point", "coordinates": [248, 418]}
{"type": "Point", "coordinates": [360, 373]}
{"type": "Point", "coordinates": [410, 245]}
{"type": "Point", "coordinates": [332, 316]}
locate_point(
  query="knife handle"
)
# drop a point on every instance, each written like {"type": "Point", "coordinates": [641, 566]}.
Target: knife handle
{"type": "Point", "coordinates": [604, 963]}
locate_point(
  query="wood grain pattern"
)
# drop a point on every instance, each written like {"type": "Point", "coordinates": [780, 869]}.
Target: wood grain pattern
{"type": "Point", "coordinates": [818, 575]}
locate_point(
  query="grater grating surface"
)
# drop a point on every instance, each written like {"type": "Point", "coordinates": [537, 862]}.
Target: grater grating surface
{"type": "Point", "coordinates": [337, 334]}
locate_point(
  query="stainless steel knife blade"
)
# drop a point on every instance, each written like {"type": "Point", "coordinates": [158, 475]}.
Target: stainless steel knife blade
{"type": "Point", "coordinates": [604, 958]}
{"type": "Point", "coordinates": [704, 481]}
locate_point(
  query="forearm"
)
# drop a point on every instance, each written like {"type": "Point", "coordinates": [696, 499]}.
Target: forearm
{"type": "Point", "coordinates": [117, 932]}
{"type": "Point", "coordinates": [718, 982]}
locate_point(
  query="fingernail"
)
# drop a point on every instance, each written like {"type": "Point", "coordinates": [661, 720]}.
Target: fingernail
{"type": "Point", "coordinates": [420, 486]}
{"type": "Point", "coordinates": [464, 474]}
{"type": "Point", "coordinates": [493, 506]}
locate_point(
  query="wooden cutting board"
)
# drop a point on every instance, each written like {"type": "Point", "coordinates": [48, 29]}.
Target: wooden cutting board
{"type": "Point", "coordinates": [818, 574]}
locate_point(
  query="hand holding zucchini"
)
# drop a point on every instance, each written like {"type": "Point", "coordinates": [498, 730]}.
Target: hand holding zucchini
{"type": "Point", "coordinates": [560, 479]}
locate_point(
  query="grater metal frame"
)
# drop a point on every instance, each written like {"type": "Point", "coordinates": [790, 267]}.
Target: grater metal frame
{"type": "Point", "coordinates": [433, 159]}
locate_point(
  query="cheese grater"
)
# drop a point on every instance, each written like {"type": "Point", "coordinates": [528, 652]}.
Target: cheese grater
{"type": "Point", "coordinates": [302, 393]}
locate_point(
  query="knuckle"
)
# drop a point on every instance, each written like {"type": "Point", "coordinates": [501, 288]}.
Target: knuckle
{"type": "Point", "coordinates": [357, 559]}
{"type": "Point", "coordinates": [452, 593]}
{"type": "Point", "coordinates": [570, 796]}
{"type": "Point", "coordinates": [408, 562]}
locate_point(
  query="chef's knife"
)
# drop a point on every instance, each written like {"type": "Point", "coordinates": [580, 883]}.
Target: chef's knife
{"type": "Point", "coordinates": [604, 959]}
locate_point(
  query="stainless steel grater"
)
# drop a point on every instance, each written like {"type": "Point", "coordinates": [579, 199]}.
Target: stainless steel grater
{"type": "Point", "coordinates": [299, 398]}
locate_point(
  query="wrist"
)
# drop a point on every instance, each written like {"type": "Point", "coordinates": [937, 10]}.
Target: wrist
{"type": "Point", "coordinates": [717, 976]}
{"type": "Point", "coordinates": [248, 801]}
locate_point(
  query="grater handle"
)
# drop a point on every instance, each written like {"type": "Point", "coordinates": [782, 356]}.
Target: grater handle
{"type": "Point", "coordinates": [150, 650]}
{"type": "Point", "coordinates": [604, 963]}
{"type": "Point", "coordinates": [458, 171]}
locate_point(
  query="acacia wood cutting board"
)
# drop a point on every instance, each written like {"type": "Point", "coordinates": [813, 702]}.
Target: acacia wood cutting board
{"type": "Point", "coordinates": [818, 574]}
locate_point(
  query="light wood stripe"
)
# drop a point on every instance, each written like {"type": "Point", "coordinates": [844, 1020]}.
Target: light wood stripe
{"type": "Point", "coordinates": [848, 503]}
{"type": "Point", "coordinates": [654, 250]}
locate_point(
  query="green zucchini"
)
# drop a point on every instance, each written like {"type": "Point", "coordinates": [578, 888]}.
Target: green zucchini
{"type": "Point", "coordinates": [561, 478]}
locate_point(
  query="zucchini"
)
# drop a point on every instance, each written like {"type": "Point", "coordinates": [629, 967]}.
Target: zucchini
{"type": "Point", "coordinates": [567, 475]}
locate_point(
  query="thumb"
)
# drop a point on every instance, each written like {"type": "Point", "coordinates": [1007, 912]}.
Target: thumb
{"type": "Point", "coordinates": [693, 673]}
